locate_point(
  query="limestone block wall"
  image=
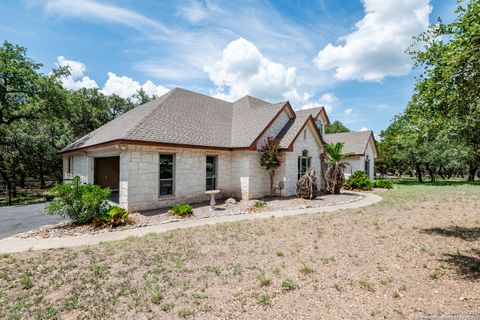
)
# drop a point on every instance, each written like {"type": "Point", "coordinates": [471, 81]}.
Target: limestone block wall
{"type": "Point", "coordinates": [357, 163]}
{"type": "Point", "coordinates": [82, 167]}
{"type": "Point", "coordinates": [141, 164]}
{"type": "Point", "coordinates": [303, 142]}
{"type": "Point", "coordinates": [274, 128]}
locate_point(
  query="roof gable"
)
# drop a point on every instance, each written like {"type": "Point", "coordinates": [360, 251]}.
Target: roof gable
{"type": "Point", "coordinates": [356, 142]}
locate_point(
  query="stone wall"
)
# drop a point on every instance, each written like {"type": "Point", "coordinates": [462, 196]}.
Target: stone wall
{"type": "Point", "coordinates": [239, 173]}
{"type": "Point", "coordinates": [357, 163]}
{"type": "Point", "coordinates": [290, 174]}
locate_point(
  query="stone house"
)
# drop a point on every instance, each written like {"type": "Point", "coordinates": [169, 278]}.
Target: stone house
{"type": "Point", "coordinates": [362, 146]}
{"type": "Point", "coordinates": [174, 148]}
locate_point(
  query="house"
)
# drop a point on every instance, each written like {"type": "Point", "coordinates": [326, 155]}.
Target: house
{"type": "Point", "coordinates": [362, 146]}
{"type": "Point", "coordinates": [174, 148]}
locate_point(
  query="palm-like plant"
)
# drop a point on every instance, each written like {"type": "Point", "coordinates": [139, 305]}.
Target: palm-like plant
{"type": "Point", "coordinates": [334, 175]}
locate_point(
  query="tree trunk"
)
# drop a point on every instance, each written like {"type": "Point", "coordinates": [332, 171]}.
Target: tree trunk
{"type": "Point", "coordinates": [42, 182]}
{"type": "Point", "coordinates": [271, 173]}
{"type": "Point", "coordinates": [22, 179]}
{"type": "Point", "coordinates": [472, 170]}
{"type": "Point", "coordinates": [431, 172]}
{"type": "Point", "coordinates": [419, 172]}
{"type": "Point", "coordinates": [441, 171]}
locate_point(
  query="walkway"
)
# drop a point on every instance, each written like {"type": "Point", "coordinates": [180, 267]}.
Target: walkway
{"type": "Point", "coordinates": [10, 245]}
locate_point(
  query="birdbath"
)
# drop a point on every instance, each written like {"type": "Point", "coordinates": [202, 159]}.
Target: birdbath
{"type": "Point", "coordinates": [212, 194]}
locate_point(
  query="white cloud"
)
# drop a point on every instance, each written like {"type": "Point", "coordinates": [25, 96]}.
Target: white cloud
{"type": "Point", "coordinates": [76, 79]}
{"type": "Point", "coordinates": [364, 129]}
{"type": "Point", "coordinates": [94, 10]}
{"type": "Point", "coordinates": [327, 100]}
{"type": "Point", "coordinates": [126, 87]}
{"type": "Point", "coordinates": [376, 48]}
{"type": "Point", "coordinates": [194, 11]}
{"type": "Point", "coordinates": [122, 86]}
{"type": "Point", "coordinates": [243, 70]}
{"type": "Point", "coordinates": [348, 111]}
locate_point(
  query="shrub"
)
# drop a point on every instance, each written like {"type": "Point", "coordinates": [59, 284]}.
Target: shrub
{"type": "Point", "coordinates": [182, 210]}
{"type": "Point", "coordinates": [259, 204]}
{"type": "Point", "coordinates": [79, 202]}
{"type": "Point", "coordinates": [386, 184]}
{"type": "Point", "coordinates": [113, 216]}
{"type": "Point", "coordinates": [358, 181]}
{"type": "Point", "coordinates": [288, 285]}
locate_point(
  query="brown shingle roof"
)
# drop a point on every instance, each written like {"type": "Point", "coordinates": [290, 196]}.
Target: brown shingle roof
{"type": "Point", "coordinates": [188, 118]}
{"type": "Point", "coordinates": [355, 142]}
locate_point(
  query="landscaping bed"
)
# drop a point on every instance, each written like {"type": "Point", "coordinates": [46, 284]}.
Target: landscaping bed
{"type": "Point", "coordinates": [200, 211]}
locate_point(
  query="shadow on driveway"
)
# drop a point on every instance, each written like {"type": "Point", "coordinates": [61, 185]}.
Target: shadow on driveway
{"type": "Point", "coordinates": [18, 219]}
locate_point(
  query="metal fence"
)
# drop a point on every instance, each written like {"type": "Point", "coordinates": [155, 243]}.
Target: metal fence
{"type": "Point", "coordinates": [29, 187]}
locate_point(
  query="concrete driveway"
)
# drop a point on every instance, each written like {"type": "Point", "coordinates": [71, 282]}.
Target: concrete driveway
{"type": "Point", "coordinates": [19, 219]}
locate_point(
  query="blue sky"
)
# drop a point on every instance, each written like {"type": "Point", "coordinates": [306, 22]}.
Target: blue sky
{"type": "Point", "coordinates": [347, 55]}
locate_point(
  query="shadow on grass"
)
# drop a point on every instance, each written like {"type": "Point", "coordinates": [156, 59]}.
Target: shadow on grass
{"type": "Point", "coordinates": [468, 234]}
{"type": "Point", "coordinates": [467, 266]}
{"type": "Point", "coordinates": [438, 183]}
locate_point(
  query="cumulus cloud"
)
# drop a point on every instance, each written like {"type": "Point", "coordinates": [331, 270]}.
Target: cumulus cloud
{"type": "Point", "coordinates": [122, 86]}
{"type": "Point", "coordinates": [77, 78]}
{"type": "Point", "coordinates": [376, 48]}
{"type": "Point", "coordinates": [126, 87]}
{"type": "Point", "coordinates": [243, 70]}
{"type": "Point", "coordinates": [348, 111]}
{"type": "Point", "coordinates": [364, 129]}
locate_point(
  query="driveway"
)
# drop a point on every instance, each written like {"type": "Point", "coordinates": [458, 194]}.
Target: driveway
{"type": "Point", "coordinates": [19, 219]}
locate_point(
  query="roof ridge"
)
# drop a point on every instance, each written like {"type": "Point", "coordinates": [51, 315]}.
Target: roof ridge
{"type": "Point", "coordinates": [201, 94]}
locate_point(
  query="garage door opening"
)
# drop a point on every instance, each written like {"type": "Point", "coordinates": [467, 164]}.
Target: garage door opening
{"type": "Point", "coordinates": [107, 175]}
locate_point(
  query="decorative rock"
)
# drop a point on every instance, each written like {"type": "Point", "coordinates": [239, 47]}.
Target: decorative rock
{"type": "Point", "coordinates": [230, 202]}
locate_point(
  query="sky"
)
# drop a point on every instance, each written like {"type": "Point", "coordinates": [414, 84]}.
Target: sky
{"type": "Point", "coordinates": [348, 56]}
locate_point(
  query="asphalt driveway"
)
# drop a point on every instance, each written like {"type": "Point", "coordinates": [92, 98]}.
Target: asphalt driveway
{"type": "Point", "coordinates": [19, 219]}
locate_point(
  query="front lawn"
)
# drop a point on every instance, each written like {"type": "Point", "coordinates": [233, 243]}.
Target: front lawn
{"type": "Point", "coordinates": [415, 253]}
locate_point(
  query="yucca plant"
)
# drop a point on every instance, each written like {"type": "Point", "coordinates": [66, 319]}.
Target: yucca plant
{"type": "Point", "coordinates": [334, 175]}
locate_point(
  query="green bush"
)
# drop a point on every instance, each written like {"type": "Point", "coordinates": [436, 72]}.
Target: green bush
{"type": "Point", "coordinates": [113, 216]}
{"type": "Point", "coordinates": [260, 204]}
{"type": "Point", "coordinates": [182, 210]}
{"type": "Point", "coordinates": [358, 181]}
{"type": "Point", "coordinates": [386, 184]}
{"type": "Point", "coordinates": [77, 201]}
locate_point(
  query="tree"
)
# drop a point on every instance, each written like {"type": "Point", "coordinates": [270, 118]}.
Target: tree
{"type": "Point", "coordinates": [270, 158]}
{"type": "Point", "coordinates": [336, 164]}
{"type": "Point", "coordinates": [336, 127]}
{"type": "Point", "coordinates": [449, 88]}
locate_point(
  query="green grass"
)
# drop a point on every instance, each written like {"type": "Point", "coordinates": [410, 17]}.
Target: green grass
{"type": "Point", "coordinates": [22, 200]}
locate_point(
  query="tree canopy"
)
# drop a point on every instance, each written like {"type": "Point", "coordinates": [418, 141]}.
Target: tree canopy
{"type": "Point", "coordinates": [439, 131]}
{"type": "Point", "coordinates": [336, 127]}
{"type": "Point", "coordinates": [39, 117]}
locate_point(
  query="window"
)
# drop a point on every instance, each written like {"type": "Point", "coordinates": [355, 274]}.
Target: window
{"type": "Point", "coordinates": [367, 166]}
{"type": "Point", "coordinates": [167, 174]}
{"type": "Point", "coordinates": [305, 134]}
{"type": "Point", "coordinates": [320, 126]}
{"type": "Point", "coordinates": [304, 162]}
{"type": "Point", "coordinates": [70, 165]}
{"type": "Point", "coordinates": [211, 173]}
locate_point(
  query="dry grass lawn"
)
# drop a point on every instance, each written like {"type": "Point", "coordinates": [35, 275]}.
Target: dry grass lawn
{"type": "Point", "coordinates": [416, 253]}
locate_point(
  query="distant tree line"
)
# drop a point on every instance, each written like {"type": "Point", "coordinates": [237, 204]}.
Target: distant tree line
{"type": "Point", "coordinates": [439, 132]}
{"type": "Point", "coordinates": [39, 117]}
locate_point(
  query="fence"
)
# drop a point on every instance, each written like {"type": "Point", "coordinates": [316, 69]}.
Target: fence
{"type": "Point", "coordinates": [27, 188]}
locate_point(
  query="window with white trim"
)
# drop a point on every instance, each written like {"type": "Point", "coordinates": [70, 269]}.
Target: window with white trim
{"type": "Point", "coordinates": [211, 168]}
{"type": "Point", "coordinates": [304, 163]}
{"type": "Point", "coordinates": [167, 174]}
